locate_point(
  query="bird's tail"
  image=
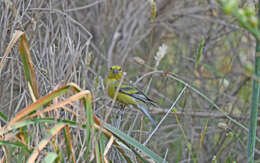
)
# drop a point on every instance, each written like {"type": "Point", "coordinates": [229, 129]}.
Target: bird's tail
{"type": "Point", "coordinates": [153, 103]}
{"type": "Point", "coordinates": [143, 108]}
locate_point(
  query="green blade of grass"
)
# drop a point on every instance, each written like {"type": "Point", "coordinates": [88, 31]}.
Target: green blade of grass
{"type": "Point", "coordinates": [89, 122]}
{"type": "Point", "coordinates": [27, 65]}
{"type": "Point", "coordinates": [3, 117]}
{"type": "Point", "coordinates": [97, 151]}
{"type": "Point", "coordinates": [101, 145]}
{"type": "Point", "coordinates": [15, 144]}
{"type": "Point", "coordinates": [133, 142]}
{"type": "Point", "coordinates": [50, 157]}
{"type": "Point", "coordinates": [255, 100]}
{"type": "Point", "coordinates": [199, 52]}
{"type": "Point", "coordinates": [188, 144]}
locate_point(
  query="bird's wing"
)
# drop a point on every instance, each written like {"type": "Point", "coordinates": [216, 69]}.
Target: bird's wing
{"type": "Point", "coordinates": [135, 93]}
{"type": "Point", "coordinates": [140, 99]}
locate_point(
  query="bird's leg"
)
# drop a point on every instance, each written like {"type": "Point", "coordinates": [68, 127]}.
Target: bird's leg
{"type": "Point", "coordinates": [122, 107]}
{"type": "Point", "coordinates": [119, 115]}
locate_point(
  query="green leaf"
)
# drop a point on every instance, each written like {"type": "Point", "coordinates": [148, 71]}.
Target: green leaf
{"type": "Point", "coordinates": [15, 144]}
{"type": "Point", "coordinates": [3, 117]}
{"type": "Point", "coordinates": [50, 157]}
{"type": "Point", "coordinates": [199, 52]}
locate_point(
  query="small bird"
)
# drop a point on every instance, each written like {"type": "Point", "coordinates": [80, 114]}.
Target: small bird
{"type": "Point", "coordinates": [127, 95]}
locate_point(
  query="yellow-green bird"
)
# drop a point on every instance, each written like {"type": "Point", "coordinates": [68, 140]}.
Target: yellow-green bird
{"type": "Point", "coordinates": [127, 95]}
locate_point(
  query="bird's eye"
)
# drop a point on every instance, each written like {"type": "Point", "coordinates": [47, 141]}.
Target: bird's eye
{"type": "Point", "coordinates": [111, 68]}
{"type": "Point", "coordinates": [119, 69]}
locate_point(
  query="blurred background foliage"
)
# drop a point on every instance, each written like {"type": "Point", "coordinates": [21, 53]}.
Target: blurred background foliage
{"type": "Point", "coordinates": [77, 41]}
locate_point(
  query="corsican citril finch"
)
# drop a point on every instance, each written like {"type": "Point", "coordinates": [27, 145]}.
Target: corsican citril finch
{"type": "Point", "coordinates": [127, 95]}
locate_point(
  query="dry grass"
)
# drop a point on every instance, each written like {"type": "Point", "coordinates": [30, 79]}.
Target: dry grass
{"type": "Point", "coordinates": [76, 41]}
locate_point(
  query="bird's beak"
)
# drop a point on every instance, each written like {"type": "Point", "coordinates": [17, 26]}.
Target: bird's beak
{"type": "Point", "coordinates": [115, 71]}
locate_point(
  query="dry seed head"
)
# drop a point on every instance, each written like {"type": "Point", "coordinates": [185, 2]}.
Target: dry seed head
{"type": "Point", "coordinates": [139, 60]}
{"type": "Point", "coordinates": [222, 125]}
{"type": "Point", "coordinates": [88, 58]}
{"type": "Point", "coordinates": [160, 54]}
{"type": "Point", "coordinates": [153, 9]}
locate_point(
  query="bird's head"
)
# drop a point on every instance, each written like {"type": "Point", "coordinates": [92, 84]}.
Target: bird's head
{"type": "Point", "coordinates": [115, 72]}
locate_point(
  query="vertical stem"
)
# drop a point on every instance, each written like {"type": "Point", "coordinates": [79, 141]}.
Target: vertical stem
{"type": "Point", "coordinates": [254, 102]}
